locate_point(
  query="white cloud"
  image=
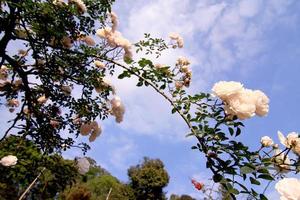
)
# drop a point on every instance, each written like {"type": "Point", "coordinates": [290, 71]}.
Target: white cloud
{"type": "Point", "coordinates": [124, 150]}
{"type": "Point", "coordinates": [219, 36]}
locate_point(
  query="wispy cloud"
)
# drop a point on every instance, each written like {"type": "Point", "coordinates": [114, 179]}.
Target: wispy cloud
{"type": "Point", "coordinates": [220, 36]}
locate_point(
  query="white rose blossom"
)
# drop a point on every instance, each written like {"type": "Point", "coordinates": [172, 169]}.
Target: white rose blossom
{"type": "Point", "coordinates": [9, 160]}
{"type": "Point", "coordinates": [99, 64]}
{"type": "Point", "coordinates": [282, 161]}
{"type": "Point", "coordinates": [117, 108]}
{"type": "Point", "coordinates": [266, 141]}
{"type": "Point", "coordinates": [114, 38]}
{"type": "Point", "coordinates": [178, 39]}
{"type": "Point", "coordinates": [292, 141]}
{"type": "Point", "coordinates": [288, 188]}
{"type": "Point", "coordinates": [241, 102]}
{"type": "Point", "coordinates": [225, 89]}
{"type": "Point", "coordinates": [83, 165]}
{"type": "Point", "coordinates": [261, 102]}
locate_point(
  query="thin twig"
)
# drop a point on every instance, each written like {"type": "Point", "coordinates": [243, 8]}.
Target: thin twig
{"type": "Point", "coordinates": [32, 184]}
{"type": "Point", "coordinates": [107, 197]}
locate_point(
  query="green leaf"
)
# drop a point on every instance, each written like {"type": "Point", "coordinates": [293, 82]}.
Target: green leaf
{"type": "Point", "coordinates": [263, 171]}
{"type": "Point", "coordinates": [263, 197]}
{"type": "Point", "coordinates": [266, 177]}
{"type": "Point", "coordinates": [139, 84]}
{"type": "Point", "coordinates": [231, 131]}
{"type": "Point", "coordinates": [238, 132]}
{"type": "Point", "coordinates": [217, 178]}
{"type": "Point", "coordinates": [234, 191]}
{"type": "Point", "coordinates": [254, 181]}
{"type": "Point", "coordinates": [246, 170]}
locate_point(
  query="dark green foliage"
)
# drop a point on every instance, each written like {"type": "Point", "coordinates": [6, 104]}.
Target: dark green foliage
{"type": "Point", "coordinates": [58, 173]}
{"type": "Point", "coordinates": [148, 179]}
{"type": "Point", "coordinates": [96, 184]}
{"type": "Point", "coordinates": [182, 197]}
{"type": "Point", "coordinates": [55, 57]}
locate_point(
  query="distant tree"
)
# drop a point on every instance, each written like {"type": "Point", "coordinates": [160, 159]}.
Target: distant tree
{"type": "Point", "coordinates": [148, 179]}
{"type": "Point", "coordinates": [182, 197]}
{"type": "Point", "coordinates": [57, 174]}
{"type": "Point", "coordinates": [96, 184]}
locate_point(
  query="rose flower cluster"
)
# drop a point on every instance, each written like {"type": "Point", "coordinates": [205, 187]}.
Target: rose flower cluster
{"type": "Point", "coordinates": [239, 101]}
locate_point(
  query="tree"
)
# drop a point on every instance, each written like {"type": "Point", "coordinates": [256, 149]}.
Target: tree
{"type": "Point", "coordinates": [57, 172]}
{"type": "Point", "coordinates": [148, 179]}
{"type": "Point", "coordinates": [97, 184]}
{"type": "Point", "coordinates": [182, 197]}
{"type": "Point", "coordinates": [55, 56]}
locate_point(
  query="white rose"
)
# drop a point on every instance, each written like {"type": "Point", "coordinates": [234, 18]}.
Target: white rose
{"type": "Point", "coordinates": [9, 160]}
{"type": "Point", "coordinates": [117, 108]}
{"type": "Point", "coordinates": [242, 104]}
{"type": "Point", "coordinates": [288, 188]}
{"type": "Point", "coordinates": [99, 64]}
{"type": "Point", "coordinates": [266, 141]}
{"type": "Point", "coordinates": [83, 165]}
{"type": "Point", "coordinates": [224, 89]}
{"type": "Point", "coordinates": [290, 140]}
{"type": "Point", "coordinates": [262, 103]}
{"type": "Point", "coordinates": [282, 160]}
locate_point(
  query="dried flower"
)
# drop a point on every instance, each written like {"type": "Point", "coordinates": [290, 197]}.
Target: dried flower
{"type": "Point", "coordinates": [89, 40]}
{"type": "Point", "coordinates": [67, 90]}
{"type": "Point", "coordinates": [42, 99]}
{"type": "Point", "coordinates": [3, 72]}
{"type": "Point", "coordinates": [54, 123]}
{"type": "Point", "coordinates": [13, 103]}
{"type": "Point", "coordinates": [67, 42]}
{"type": "Point", "coordinates": [117, 108]}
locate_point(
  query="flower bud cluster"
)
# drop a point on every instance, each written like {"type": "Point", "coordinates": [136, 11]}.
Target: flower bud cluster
{"type": "Point", "coordinates": [91, 128]}
{"type": "Point", "coordinates": [115, 38]}
{"type": "Point", "coordinates": [177, 40]}
{"type": "Point", "coordinates": [117, 108]}
{"type": "Point", "coordinates": [183, 65]}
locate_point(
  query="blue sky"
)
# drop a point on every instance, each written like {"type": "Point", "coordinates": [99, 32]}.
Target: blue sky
{"type": "Point", "coordinates": [255, 42]}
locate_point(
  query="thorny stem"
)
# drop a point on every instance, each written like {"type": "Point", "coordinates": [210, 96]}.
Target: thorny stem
{"type": "Point", "coordinates": [156, 89]}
